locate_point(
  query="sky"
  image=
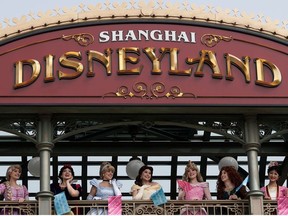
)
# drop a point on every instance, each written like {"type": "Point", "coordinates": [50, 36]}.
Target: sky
{"type": "Point", "coordinates": [276, 10]}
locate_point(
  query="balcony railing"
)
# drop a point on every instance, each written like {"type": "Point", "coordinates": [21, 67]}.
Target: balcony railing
{"type": "Point", "coordinates": [131, 207]}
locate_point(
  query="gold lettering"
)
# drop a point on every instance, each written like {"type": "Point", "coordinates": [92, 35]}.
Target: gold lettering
{"type": "Point", "coordinates": [156, 61]}
{"type": "Point", "coordinates": [19, 76]}
{"type": "Point", "coordinates": [123, 59]}
{"type": "Point", "coordinates": [105, 60]}
{"type": "Point", "coordinates": [174, 64]}
{"type": "Point", "coordinates": [243, 67]}
{"type": "Point", "coordinates": [66, 62]}
{"type": "Point", "coordinates": [267, 73]}
{"type": "Point", "coordinates": [49, 77]}
{"type": "Point", "coordinates": [211, 61]}
{"type": "Point", "coordinates": [277, 79]}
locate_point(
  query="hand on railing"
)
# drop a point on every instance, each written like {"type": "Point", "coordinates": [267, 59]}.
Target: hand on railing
{"type": "Point", "coordinates": [233, 197]}
{"type": "Point", "coordinates": [21, 200]}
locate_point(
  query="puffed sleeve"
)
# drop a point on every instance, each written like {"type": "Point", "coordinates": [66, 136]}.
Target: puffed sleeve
{"type": "Point", "coordinates": [204, 184]}
{"type": "Point", "coordinates": [134, 187]}
{"type": "Point", "coordinates": [78, 188]}
{"type": "Point", "coordinates": [26, 193]}
{"type": "Point", "coordinates": [2, 188]}
{"type": "Point", "coordinates": [119, 184]}
{"type": "Point", "coordinates": [95, 182]}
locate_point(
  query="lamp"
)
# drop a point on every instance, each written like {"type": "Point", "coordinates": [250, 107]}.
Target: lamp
{"type": "Point", "coordinates": [228, 161]}
{"type": "Point", "coordinates": [133, 167]}
{"type": "Point", "coordinates": [34, 166]}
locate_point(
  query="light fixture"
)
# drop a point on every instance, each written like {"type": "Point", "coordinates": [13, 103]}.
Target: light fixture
{"type": "Point", "coordinates": [228, 161]}
{"type": "Point", "coordinates": [34, 166]}
{"type": "Point", "coordinates": [133, 167]}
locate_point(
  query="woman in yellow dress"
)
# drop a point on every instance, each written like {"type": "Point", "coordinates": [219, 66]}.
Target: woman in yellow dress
{"type": "Point", "coordinates": [144, 186]}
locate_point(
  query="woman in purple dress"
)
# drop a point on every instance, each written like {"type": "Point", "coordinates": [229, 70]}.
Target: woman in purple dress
{"type": "Point", "coordinates": [13, 191]}
{"type": "Point", "coordinates": [192, 187]}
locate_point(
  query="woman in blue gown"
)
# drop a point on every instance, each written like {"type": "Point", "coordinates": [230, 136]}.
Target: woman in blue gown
{"type": "Point", "coordinates": [102, 189]}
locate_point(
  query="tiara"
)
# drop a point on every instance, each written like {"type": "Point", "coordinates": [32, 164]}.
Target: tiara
{"type": "Point", "coordinates": [273, 163]}
{"type": "Point", "coordinates": [106, 164]}
{"type": "Point", "coordinates": [190, 163]}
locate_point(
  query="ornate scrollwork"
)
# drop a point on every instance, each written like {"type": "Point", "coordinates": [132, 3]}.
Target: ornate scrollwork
{"type": "Point", "coordinates": [83, 39]}
{"type": "Point", "coordinates": [211, 40]}
{"type": "Point", "coordinates": [127, 209]}
{"type": "Point", "coordinates": [237, 210]}
{"type": "Point", "coordinates": [269, 209]}
{"type": "Point", "coordinates": [149, 209]}
{"type": "Point", "coordinates": [27, 209]}
{"type": "Point", "coordinates": [172, 209]}
{"type": "Point", "coordinates": [25, 128]}
{"type": "Point", "coordinates": [157, 90]}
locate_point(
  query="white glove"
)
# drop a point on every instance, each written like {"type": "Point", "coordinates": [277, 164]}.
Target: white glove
{"type": "Point", "coordinates": [115, 188]}
{"type": "Point", "coordinates": [140, 192]}
{"type": "Point", "coordinates": [89, 197]}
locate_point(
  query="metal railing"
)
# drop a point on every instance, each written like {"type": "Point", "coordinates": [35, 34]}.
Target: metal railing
{"type": "Point", "coordinates": [131, 207]}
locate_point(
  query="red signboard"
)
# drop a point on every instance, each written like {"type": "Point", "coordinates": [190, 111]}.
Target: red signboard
{"type": "Point", "coordinates": [136, 63]}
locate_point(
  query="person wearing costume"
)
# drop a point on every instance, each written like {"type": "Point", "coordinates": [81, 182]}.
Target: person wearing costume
{"type": "Point", "coordinates": [227, 186]}
{"type": "Point", "coordinates": [228, 181]}
{"type": "Point", "coordinates": [72, 191]}
{"type": "Point", "coordinates": [192, 187]}
{"type": "Point", "coordinates": [101, 190]}
{"type": "Point", "coordinates": [273, 191]}
{"type": "Point", "coordinates": [13, 191]}
{"type": "Point", "coordinates": [144, 186]}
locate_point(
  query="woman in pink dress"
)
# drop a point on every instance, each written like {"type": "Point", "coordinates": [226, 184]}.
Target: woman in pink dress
{"type": "Point", "coordinates": [192, 187]}
{"type": "Point", "coordinates": [273, 191]}
{"type": "Point", "coordinates": [13, 191]}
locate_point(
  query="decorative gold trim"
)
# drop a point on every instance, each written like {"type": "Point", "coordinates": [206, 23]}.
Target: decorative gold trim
{"type": "Point", "coordinates": [157, 90]}
{"type": "Point", "coordinates": [211, 40]}
{"type": "Point", "coordinates": [83, 39]}
{"type": "Point", "coordinates": [158, 9]}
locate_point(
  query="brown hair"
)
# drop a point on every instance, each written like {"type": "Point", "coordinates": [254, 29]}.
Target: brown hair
{"type": "Point", "coordinates": [235, 179]}
{"type": "Point", "coordinates": [65, 166]}
{"type": "Point", "coordinates": [138, 180]}
{"type": "Point", "coordinates": [273, 165]}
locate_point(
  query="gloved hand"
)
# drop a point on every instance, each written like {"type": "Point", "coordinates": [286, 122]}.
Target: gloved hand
{"type": "Point", "coordinates": [140, 192]}
{"type": "Point", "coordinates": [115, 188]}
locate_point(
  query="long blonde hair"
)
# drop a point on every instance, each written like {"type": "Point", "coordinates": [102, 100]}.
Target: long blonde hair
{"type": "Point", "coordinates": [192, 166]}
